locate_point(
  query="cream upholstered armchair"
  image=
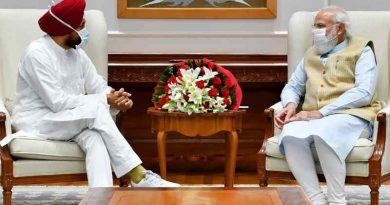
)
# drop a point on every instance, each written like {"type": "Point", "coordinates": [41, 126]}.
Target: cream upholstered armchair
{"type": "Point", "coordinates": [29, 161]}
{"type": "Point", "coordinates": [369, 161]}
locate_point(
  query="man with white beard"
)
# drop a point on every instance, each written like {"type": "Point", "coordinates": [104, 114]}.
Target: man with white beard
{"type": "Point", "coordinates": [335, 82]}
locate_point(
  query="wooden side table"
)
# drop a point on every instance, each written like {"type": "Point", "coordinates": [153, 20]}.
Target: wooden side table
{"type": "Point", "coordinates": [203, 125]}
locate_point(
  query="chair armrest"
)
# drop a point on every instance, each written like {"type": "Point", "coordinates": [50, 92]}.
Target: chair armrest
{"type": "Point", "coordinates": [277, 107]}
{"type": "Point", "coordinates": [381, 119]}
{"type": "Point", "coordinates": [385, 110]}
{"type": "Point", "coordinates": [6, 158]}
{"type": "Point", "coordinates": [269, 113]}
{"type": "Point", "coordinates": [5, 121]}
{"type": "Point", "coordinates": [381, 155]}
{"type": "Point", "coordinates": [270, 129]}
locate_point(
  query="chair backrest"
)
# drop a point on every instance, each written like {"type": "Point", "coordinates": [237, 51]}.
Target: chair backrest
{"type": "Point", "coordinates": [374, 25]}
{"type": "Point", "coordinates": [19, 27]}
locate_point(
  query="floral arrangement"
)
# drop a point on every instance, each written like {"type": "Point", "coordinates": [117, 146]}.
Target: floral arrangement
{"type": "Point", "coordinates": [197, 86]}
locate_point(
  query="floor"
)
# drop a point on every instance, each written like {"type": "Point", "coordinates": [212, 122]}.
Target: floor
{"type": "Point", "coordinates": [205, 178]}
{"type": "Point", "coordinates": [72, 195]}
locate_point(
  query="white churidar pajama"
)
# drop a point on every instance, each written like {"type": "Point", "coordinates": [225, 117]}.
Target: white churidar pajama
{"type": "Point", "coordinates": [334, 135]}
{"type": "Point", "coordinates": [61, 97]}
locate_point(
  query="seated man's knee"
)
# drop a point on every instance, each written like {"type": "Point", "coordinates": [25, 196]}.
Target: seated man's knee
{"type": "Point", "coordinates": [90, 138]}
{"type": "Point", "coordinates": [291, 140]}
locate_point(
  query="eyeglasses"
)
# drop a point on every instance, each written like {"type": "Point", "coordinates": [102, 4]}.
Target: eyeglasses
{"type": "Point", "coordinates": [320, 25]}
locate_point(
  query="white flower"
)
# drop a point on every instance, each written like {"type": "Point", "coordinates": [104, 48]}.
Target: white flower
{"type": "Point", "coordinates": [190, 75]}
{"type": "Point", "coordinates": [208, 74]}
{"type": "Point", "coordinates": [186, 96]}
{"type": "Point", "coordinates": [195, 95]}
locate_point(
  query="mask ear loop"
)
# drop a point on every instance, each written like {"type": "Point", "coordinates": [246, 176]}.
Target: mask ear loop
{"type": "Point", "coordinates": [61, 21]}
{"type": "Point", "coordinates": [52, 4]}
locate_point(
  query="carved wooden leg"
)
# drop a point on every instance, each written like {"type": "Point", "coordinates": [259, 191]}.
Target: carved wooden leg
{"type": "Point", "coordinates": [263, 179]}
{"type": "Point", "coordinates": [231, 155]}
{"type": "Point", "coordinates": [124, 181]}
{"type": "Point", "coordinates": [374, 195]}
{"type": "Point", "coordinates": [374, 186]}
{"type": "Point", "coordinates": [263, 183]}
{"type": "Point", "coordinates": [161, 146]}
{"type": "Point", "coordinates": [261, 171]}
{"type": "Point", "coordinates": [6, 182]}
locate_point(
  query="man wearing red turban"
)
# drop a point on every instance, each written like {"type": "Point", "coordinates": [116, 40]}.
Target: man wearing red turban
{"type": "Point", "coordinates": [60, 96]}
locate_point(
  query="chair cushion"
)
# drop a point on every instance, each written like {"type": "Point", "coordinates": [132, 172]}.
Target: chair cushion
{"type": "Point", "coordinates": [361, 152]}
{"type": "Point", "coordinates": [29, 167]}
{"type": "Point", "coordinates": [353, 168]}
{"type": "Point", "coordinates": [46, 149]}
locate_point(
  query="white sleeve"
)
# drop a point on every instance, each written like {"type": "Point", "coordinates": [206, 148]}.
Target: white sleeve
{"type": "Point", "coordinates": [296, 86]}
{"type": "Point", "coordinates": [37, 70]}
{"type": "Point", "coordinates": [94, 83]}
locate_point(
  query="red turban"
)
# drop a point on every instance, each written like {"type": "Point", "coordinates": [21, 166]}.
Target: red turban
{"type": "Point", "coordinates": [69, 11]}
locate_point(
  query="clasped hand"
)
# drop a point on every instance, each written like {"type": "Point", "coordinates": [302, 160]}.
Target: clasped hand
{"type": "Point", "coordinates": [288, 114]}
{"type": "Point", "coordinates": [119, 99]}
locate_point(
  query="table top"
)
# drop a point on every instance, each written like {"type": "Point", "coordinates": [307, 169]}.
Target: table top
{"type": "Point", "coordinates": [195, 196]}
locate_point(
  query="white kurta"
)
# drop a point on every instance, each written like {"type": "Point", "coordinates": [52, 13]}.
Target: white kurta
{"type": "Point", "coordinates": [52, 79]}
{"type": "Point", "coordinates": [61, 97]}
{"type": "Point", "coordinates": [339, 131]}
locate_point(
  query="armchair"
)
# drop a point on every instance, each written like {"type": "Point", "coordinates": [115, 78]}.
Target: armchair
{"type": "Point", "coordinates": [32, 161]}
{"type": "Point", "coordinates": [369, 161]}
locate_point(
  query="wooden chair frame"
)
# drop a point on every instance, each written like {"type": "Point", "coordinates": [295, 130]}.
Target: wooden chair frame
{"type": "Point", "coordinates": [373, 180]}
{"type": "Point", "coordinates": [8, 180]}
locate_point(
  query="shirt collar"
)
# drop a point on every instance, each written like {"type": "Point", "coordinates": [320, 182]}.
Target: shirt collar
{"type": "Point", "coordinates": [339, 47]}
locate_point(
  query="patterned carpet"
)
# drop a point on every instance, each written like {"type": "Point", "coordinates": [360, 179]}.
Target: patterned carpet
{"type": "Point", "coordinates": [47, 195]}
{"type": "Point", "coordinates": [360, 195]}
{"type": "Point", "coordinates": [72, 195]}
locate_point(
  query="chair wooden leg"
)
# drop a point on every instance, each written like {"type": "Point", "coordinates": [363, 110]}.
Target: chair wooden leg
{"type": "Point", "coordinates": [124, 181]}
{"type": "Point", "coordinates": [261, 171]}
{"type": "Point", "coordinates": [374, 185]}
{"type": "Point", "coordinates": [7, 196]}
{"type": "Point", "coordinates": [263, 180]}
{"type": "Point", "coordinates": [374, 195]}
{"type": "Point", "coordinates": [6, 182]}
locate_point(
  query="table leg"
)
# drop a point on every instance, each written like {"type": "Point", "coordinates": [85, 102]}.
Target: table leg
{"type": "Point", "coordinates": [231, 155]}
{"type": "Point", "coordinates": [161, 147]}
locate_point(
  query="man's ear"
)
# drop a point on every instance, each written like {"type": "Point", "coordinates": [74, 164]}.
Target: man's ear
{"type": "Point", "coordinates": [341, 29]}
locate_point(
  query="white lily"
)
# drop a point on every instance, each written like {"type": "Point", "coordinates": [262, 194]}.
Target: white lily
{"type": "Point", "coordinates": [208, 74]}
{"type": "Point", "coordinates": [190, 75]}
{"type": "Point", "coordinates": [186, 86]}
{"type": "Point", "coordinates": [195, 95]}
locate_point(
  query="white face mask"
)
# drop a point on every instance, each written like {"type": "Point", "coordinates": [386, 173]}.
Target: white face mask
{"type": "Point", "coordinates": [322, 42]}
{"type": "Point", "coordinates": [84, 36]}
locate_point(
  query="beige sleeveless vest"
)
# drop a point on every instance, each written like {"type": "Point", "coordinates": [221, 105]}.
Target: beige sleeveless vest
{"type": "Point", "coordinates": [326, 83]}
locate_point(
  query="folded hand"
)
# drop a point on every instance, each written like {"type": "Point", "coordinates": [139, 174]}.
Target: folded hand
{"type": "Point", "coordinates": [285, 115]}
{"type": "Point", "coordinates": [119, 99]}
{"type": "Point", "coordinates": [305, 116]}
